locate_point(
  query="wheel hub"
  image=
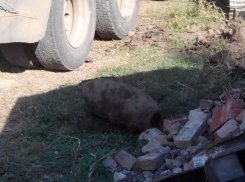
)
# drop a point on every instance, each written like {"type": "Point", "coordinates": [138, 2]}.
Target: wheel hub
{"type": "Point", "coordinates": [126, 8]}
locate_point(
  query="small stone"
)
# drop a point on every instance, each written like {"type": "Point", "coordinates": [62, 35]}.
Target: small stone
{"type": "Point", "coordinates": [119, 177]}
{"type": "Point", "coordinates": [56, 152]}
{"type": "Point", "coordinates": [166, 173]}
{"type": "Point", "coordinates": [183, 153]}
{"type": "Point", "coordinates": [171, 164]}
{"type": "Point", "coordinates": [131, 33]}
{"type": "Point", "coordinates": [199, 160]}
{"type": "Point", "coordinates": [177, 170]}
{"type": "Point", "coordinates": [201, 140]}
{"type": "Point", "coordinates": [180, 158]}
{"type": "Point", "coordinates": [150, 134]}
{"type": "Point", "coordinates": [150, 162]}
{"type": "Point", "coordinates": [176, 151]}
{"type": "Point", "coordinates": [147, 174]}
{"type": "Point", "coordinates": [228, 128]}
{"type": "Point", "coordinates": [206, 104]}
{"type": "Point", "coordinates": [189, 166]}
{"type": "Point", "coordinates": [125, 159]}
{"type": "Point", "coordinates": [162, 168]}
{"type": "Point", "coordinates": [110, 164]}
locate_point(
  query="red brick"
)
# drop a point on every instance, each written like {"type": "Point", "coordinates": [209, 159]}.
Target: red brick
{"type": "Point", "coordinates": [125, 160]}
{"type": "Point", "coordinates": [167, 123]}
{"type": "Point", "coordinates": [239, 118]}
{"type": "Point", "coordinates": [228, 128]}
{"type": "Point", "coordinates": [224, 96]}
{"type": "Point", "coordinates": [230, 110]}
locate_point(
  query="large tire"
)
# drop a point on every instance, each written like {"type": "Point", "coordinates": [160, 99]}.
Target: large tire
{"type": "Point", "coordinates": [115, 18]}
{"type": "Point", "coordinates": [20, 54]}
{"type": "Point", "coordinates": [67, 49]}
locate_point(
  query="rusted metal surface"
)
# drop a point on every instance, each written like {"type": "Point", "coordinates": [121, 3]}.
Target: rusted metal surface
{"type": "Point", "coordinates": [120, 104]}
{"type": "Point", "coordinates": [23, 20]}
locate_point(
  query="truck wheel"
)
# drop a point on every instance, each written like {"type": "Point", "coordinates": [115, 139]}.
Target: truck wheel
{"type": "Point", "coordinates": [69, 35]}
{"type": "Point", "coordinates": [115, 18]}
{"type": "Point", "coordinates": [20, 54]}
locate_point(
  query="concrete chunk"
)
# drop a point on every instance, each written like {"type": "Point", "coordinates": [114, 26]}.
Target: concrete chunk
{"type": "Point", "coordinates": [125, 160]}
{"type": "Point", "coordinates": [194, 128]}
{"type": "Point", "coordinates": [150, 162]}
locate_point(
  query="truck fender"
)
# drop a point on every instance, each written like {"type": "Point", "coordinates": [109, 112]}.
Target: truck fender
{"type": "Point", "coordinates": [23, 20]}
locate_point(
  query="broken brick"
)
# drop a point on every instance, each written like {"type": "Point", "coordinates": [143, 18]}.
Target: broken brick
{"type": "Point", "coordinates": [171, 163]}
{"type": "Point", "coordinates": [229, 127]}
{"type": "Point", "coordinates": [195, 127]}
{"type": "Point", "coordinates": [150, 146]}
{"type": "Point", "coordinates": [150, 161]}
{"type": "Point", "coordinates": [230, 110]}
{"type": "Point", "coordinates": [164, 141]}
{"type": "Point", "coordinates": [125, 160]}
{"type": "Point", "coordinates": [167, 123]}
{"type": "Point", "coordinates": [239, 118]}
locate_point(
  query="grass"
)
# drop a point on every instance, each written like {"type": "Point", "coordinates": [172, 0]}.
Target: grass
{"type": "Point", "coordinates": [182, 15]}
{"type": "Point", "coordinates": [53, 147]}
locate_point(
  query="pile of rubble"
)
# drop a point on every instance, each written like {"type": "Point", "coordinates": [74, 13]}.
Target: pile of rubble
{"type": "Point", "coordinates": [177, 148]}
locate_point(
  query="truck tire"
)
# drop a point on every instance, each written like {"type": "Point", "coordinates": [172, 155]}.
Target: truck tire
{"type": "Point", "coordinates": [115, 18]}
{"type": "Point", "coordinates": [69, 35]}
{"type": "Point", "coordinates": [20, 54]}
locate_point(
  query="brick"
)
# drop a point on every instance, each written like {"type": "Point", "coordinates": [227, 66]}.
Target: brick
{"type": "Point", "coordinates": [171, 163]}
{"type": "Point", "coordinates": [239, 118]}
{"type": "Point", "coordinates": [125, 160]}
{"type": "Point", "coordinates": [230, 110]}
{"type": "Point", "coordinates": [161, 149]}
{"type": "Point", "coordinates": [224, 96]}
{"type": "Point", "coordinates": [167, 123]}
{"type": "Point", "coordinates": [175, 129]}
{"type": "Point", "coordinates": [164, 141]}
{"type": "Point", "coordinates": [242, 126]}
{"type": "Point", "coordinates": [150, 146]}
{"type": "Point", "coordinates": [150, 162]}
{"type": "Point", "coordinates": [194, 128]}
{"type": "Point", "coordinates": [206, 104]}
{"type": "Point", "coordinates": [150, 134]}
{"type": "Point", "coordinates": [228, 128]}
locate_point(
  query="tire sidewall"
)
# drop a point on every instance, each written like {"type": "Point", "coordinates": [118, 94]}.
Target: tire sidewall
{"type": "Point", "coordinates": [120, 25]}
{"type": "Point", "coordinates": [71, 57]}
